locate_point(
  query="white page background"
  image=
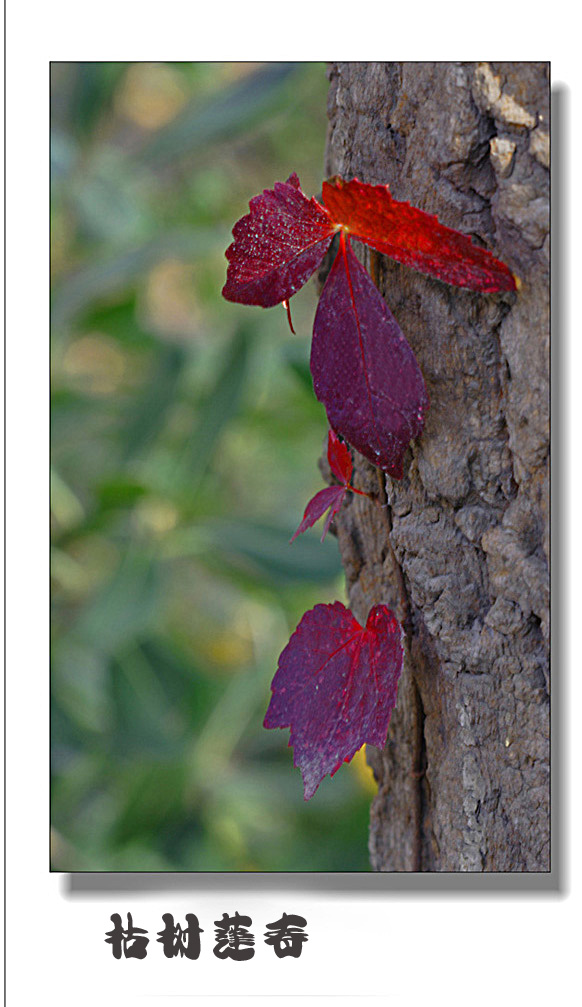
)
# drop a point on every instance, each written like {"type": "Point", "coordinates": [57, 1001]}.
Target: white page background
{"type": "Point", "coordinates": [374, 939]}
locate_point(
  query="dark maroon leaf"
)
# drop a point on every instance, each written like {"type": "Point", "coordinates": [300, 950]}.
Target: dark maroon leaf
{"type": "Point", "coordinates": [277, 246]}
{"type": "Point", "coordinates": [336, 687]}
{"type": "Point", "coordinates": [294, 180]}
{"type": "Point", "coordinates": [364, 371]}
{"type": "Point", "coordinates": [332, 497]}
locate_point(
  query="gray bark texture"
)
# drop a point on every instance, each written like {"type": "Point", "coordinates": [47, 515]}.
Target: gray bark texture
{"type": "Point", "coordinates": [461, 550]}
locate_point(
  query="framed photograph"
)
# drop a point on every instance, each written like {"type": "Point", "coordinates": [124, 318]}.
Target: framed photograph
{"type": "Point", "coordinates": [301, 320]}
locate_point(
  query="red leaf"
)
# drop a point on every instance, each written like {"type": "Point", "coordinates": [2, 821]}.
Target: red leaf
{"type": "Point", "coordinates": [339, 458]}
{"type": "Point", "coordinates": [364, 371]}
{"type": "Point", "coordinates": [335, 687]}
{"type": "Point", "coordinates": [340, 463]}
{"type": "Point", "coordinates": [332, 497]}
{"type": "Point", "coordinates": [277, 246]}
{"type": "Point", "coordinates": [412, 236]}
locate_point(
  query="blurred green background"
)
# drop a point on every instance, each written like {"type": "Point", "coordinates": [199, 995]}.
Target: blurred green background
{"type": "Point", "coordinates": [185, 440]}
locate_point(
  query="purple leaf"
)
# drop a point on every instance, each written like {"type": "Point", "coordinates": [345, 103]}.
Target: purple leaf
{"type": "Point", "coordinates": [363, 369]}
{"type": "Point", "coordinates": [336, 687]}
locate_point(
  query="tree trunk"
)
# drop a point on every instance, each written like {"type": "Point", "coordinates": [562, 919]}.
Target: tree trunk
{"type": "Point", "coordinates": [461, 551]}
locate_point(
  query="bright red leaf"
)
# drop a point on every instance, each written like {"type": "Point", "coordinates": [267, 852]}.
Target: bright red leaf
{"type": "Point", "coordinates": [277, 246]}
{"type": "Point", "coordinates": [363, 369]}
{"type": "Point", "coordinates": [412, 236]}
{"type": "Point", "coordinates": [335, 687]}
{"type": "Point", "coordinates": [332, 497]}
{"type": "Point", "coordinates": [339, 458]}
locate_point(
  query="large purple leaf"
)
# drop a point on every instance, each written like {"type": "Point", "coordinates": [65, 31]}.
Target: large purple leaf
{"type": "Point", "coordinates": [363, 369]}
{"type": "Point", "coordinates": [336, 687]}
{"type": "Point", "coordinates": [277, 246]}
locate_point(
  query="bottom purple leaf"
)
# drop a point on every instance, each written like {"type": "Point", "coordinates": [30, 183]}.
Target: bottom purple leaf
{"type": "Point", "coordinates": [336, 687]}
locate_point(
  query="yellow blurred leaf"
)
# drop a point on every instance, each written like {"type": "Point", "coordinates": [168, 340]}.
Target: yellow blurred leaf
{"type": "Point", "coordinates": [151, 95]}
{"type": "Point", "coordinates": [365, 776]}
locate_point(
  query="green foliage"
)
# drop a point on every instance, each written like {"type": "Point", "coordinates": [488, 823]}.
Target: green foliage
{"type": "Point", "coordinates": [185, 437]}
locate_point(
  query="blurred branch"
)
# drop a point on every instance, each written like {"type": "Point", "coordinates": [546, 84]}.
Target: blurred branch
{"type": "Point", "coordinates": [230, 112]}
{"type": "Point", "coordinates": [98, 280]}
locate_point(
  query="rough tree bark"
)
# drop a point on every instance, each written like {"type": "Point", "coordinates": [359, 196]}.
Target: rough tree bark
{"type": "Point", "coordinates": [461, 551]}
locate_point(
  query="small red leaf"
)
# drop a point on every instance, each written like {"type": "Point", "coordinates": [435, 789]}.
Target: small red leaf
{"type": "Point", "coordinates": [277, 246]}
{"type": "Point", "coordinates": [413, 237]}
{"type": "Point", "coordinates": [364, 371]}
{"type": "Point", "coordinates": [340, 463]}
{"type": "Point", "coordinates": [339, 458]}
{"type": "Point", "coordinates": [336, 687]}
{"type": "Point", "coordinates": [331, 496]}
